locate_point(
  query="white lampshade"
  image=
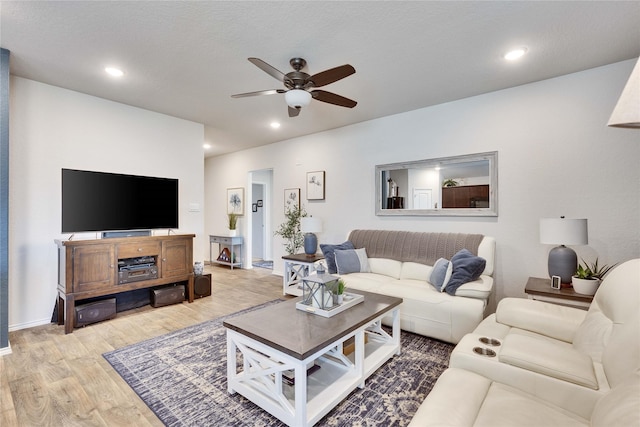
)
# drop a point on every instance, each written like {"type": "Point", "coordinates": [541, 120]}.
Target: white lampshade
{"type": "Point", "coordinates": [563, 231]}
{"type": "Point", "coordinates": [297, 98]}
{"type": "Point", "coordinates": [626, 114]}
{"type": "Point", "coordinates": [310, 224]}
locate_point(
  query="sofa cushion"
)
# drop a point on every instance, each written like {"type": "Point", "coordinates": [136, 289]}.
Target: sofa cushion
{"type": "Point", "coordinates": [463, 398]}
{"type": "Point", "coordinates": [386, 267]}
{"type": "Point", "coordinates": [441, 274]}
{"type": "Point", "coordinates": [352, 261]}
{"type": "Point", "coordinates": [415, 271]}
{"type": "Point", "coordinates": [329, 254]}
{"type": "Point", "coordinates": [466, 268]}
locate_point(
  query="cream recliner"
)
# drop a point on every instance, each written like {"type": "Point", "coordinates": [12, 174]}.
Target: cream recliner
{"type": "Point", "coordinates": [566, 358]}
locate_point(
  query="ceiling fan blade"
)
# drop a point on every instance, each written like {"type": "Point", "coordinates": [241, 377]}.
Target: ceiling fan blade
{"type": "Point", "coordinates": [332, 98]}
{"type": "Point", "coordinates": [293, 112]}
{"type": "Point", "coordinates": [273, 72]}
{"type": "Point", "coordinates": [260, 92]}
{"type": "Point", "coordinates": [329, 76]}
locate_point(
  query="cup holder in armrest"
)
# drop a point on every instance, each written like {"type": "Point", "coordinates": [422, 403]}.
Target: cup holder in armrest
{"type": "Point", "coordinates": [484, 351]}
{"type": "Point", "coordinates": [490, 341]}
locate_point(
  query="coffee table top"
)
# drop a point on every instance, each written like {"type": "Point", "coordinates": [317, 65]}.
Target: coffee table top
{"type": "Point", "coordinates": [300, 334]}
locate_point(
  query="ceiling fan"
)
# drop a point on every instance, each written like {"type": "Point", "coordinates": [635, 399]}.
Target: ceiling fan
{"type": "Point", "coordinates": [300, 85]}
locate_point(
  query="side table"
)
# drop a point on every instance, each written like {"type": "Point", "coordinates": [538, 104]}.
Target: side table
{"type": "Point", "coordinates": [296, 268]}
{"type": "Point", "coordinates": [540, 289]}
{"type": "Point", "coordinates": [226, 241]}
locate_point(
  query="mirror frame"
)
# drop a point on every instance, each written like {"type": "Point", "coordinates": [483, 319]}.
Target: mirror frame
{"type": "Point", "coordinates": [492, 210]}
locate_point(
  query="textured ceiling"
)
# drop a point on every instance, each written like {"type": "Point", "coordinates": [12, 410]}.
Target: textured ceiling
{"type": "Point", "coordinates": [186, 59]}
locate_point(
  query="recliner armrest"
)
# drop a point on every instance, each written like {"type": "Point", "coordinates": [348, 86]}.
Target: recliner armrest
{"type": "Point", "coordinates": [551, 320]}
{"type": "Point", "coordinates": [549, 358]}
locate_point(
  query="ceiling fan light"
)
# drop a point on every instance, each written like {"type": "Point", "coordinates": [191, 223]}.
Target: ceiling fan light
{"type": "Point", "coordinates": [297, 98]}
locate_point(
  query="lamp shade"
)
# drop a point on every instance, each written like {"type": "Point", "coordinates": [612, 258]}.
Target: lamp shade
{"type": "Point", "coordinates": [626, 113]}
{"type": "Point", "coordinates": [563, 231]}
{"type": "Point", "coordinates": [310, 224]}
{"type": "Point", "coordinates": [297, 98]}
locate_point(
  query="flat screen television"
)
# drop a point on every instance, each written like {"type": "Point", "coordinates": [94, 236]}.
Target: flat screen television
{"type": "Point", "coordinates": [99, 201]}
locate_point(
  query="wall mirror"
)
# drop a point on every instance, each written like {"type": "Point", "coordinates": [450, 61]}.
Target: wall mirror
{"type": "Point", "coordinates": [449, 186]}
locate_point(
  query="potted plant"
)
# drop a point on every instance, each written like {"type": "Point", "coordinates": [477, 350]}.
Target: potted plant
{"type": "Point", "coordinates": [588, 277]}
{"type": "Point", "coordinates": [339, 292]}
{"type": "Point", "coordinates": [450, 183]}
{"type": "Point", "coordinates": [290, 230]}
{"type": "Point", "coordinates": [233, 221]}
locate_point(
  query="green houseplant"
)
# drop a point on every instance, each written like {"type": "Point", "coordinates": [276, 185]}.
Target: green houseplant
{"type": "Point", "coordinates": [233, 222]}
{"type": "Point", "coordinates": [450, 183]}
{"type": "Point", "coordinates": [338, 292]}
{"type": "Point", "coordinates": [289, 230]}
{"type": "Point", "coordinates": [588, 277]}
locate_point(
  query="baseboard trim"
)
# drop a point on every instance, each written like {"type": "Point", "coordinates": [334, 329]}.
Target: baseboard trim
{"type": "Point", "coordinates": [19, 326]}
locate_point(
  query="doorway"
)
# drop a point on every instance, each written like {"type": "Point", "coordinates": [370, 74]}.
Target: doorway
{"type": "Point", "coordinates": [422, 198]}
{"type": "Point", "coordinates": [261, 235]}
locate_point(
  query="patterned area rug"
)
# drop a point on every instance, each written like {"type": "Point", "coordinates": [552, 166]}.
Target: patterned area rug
{"type": "Point", "coordinates": [181, 376]}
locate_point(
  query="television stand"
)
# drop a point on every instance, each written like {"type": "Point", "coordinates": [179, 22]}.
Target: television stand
{"type": "Point", "coordinates": [89, 268]}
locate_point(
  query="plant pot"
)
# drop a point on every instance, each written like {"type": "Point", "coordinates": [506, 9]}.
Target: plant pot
{"type": "Point", "coordinates": [233, 233]}
{"type": "Point", "coordinates": [585, 286]}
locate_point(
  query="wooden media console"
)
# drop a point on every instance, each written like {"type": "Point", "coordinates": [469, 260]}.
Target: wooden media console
{"type": "Point", "coordinates": [89, 268]}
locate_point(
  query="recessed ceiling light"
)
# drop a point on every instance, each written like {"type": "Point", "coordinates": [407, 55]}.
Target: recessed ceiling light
{"type": "Point", "coordinates": [206, 146]}
{"type": "Point", "coordinates": [515, 54]}
{"type": "Point", "coordinates": [275, 125]}
{"type": "Point", "coordinates": [114, 72]}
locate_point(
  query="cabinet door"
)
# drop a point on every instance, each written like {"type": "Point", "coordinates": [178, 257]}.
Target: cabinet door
{"type": "Point", "coordinates": [176, 258]}
{"type": "Point", "coordinates": [94, 267]}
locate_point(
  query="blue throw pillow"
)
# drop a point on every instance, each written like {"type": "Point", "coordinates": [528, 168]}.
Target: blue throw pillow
{"type": "Point", "coordinates": [441, 274]}
{"type": "Point", "coordinates": [329, 254]}
{"type": "Point", "coordinates": [352, 261]}
{"type": "Point", "coordinates": [466, 268]}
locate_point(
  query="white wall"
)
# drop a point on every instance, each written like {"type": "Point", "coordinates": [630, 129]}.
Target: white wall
{"type": "Point", "coordinates": [53, 128]}
{"type": "Point", "coordinates": [556, 157]}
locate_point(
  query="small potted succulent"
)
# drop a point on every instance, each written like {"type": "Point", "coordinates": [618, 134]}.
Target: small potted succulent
{"type": "Point", "coordinates": [588, 277]}
{"type": "Point", "coordinates": [233, 221]}
{"type": "Point", "coordinates": [339, 292]}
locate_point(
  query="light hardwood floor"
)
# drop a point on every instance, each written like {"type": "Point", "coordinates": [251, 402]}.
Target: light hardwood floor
{"type": "Point", "coordinates": [53, 379]}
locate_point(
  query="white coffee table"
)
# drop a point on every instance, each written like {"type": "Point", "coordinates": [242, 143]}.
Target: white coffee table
{"type": "Point", "coordinates": [279, 341]}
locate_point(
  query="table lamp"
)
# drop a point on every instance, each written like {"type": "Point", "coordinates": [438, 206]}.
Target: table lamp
{"type": "Point", "coordinates": [563, 261]}
{"type": "Point", "coordinates": [310, 225]}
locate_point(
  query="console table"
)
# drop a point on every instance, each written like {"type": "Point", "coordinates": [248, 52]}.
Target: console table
{"type": "Point", "coordinates": [230, 241]}
{"type": "Point", "coordinates": [541, 290]}
{"type": "Point", "coordinates": [296, 268]}
{"type": "Point", "coordinates": [89, 268]}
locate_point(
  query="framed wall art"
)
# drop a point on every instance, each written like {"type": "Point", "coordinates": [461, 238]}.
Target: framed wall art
{"type": "Point", "coordinates": [315, 185]}
{"type": "Point", "coordinates": [291, 199]}
{"type": "Point", "coordinates": [235, 200]}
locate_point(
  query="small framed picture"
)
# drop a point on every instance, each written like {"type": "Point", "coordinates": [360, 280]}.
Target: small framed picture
{"type": "Point", "coordinates": [259, 203]}
{"type": "Point", "coordinates": [254, 207]}
{"type": "Point", "coordinates": [556, 282]}
{"type": "Point", "coordinates": [291, 199]}
{"type": "Point", "coordinates": [235, 200]}
{"type": "Point", "coordinates": [315, 185]}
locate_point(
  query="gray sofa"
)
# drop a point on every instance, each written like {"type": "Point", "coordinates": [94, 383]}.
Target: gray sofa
{"type": "Point", "coordinates": [400, 264]}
